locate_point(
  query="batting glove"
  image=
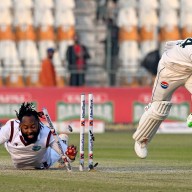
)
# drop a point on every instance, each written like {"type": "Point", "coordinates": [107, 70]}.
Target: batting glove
{"type": "Point", "coordinates": [71, 152]}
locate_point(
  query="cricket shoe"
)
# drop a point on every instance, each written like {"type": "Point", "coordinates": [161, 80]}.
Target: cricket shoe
{"type": "Point", "coordinates": [141, 149]}
{"type": "Point", "coordinates": [64, 137]}
{"type": "Point", "coordinates": [189, 120]}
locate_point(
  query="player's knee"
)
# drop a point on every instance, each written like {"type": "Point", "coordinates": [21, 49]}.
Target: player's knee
{"type": "Point", "coordinates": [150, 121]}
{"type": "Point", "coordinates": [160, 109]}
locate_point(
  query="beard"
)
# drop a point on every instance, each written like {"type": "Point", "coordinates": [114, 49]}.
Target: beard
{"type": "Point", "coordinates": [30, 140]}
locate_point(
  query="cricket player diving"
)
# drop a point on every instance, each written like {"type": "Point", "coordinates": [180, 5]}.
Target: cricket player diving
{"type": "Point", "coordinates": [30, 143]}
{"type": "Point", "coordinates": [174, 71]}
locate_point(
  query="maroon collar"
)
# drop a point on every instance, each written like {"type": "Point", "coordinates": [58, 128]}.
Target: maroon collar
{"type": "Point", "coordinates": [23, 141]}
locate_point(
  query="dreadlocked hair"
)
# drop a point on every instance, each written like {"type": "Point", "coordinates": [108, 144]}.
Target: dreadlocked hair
{"type": "Point", "coordinates": [28, 109]}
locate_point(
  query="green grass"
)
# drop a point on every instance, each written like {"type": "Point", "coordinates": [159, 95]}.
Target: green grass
{"type": "Point", "coordinates": [167, 168]}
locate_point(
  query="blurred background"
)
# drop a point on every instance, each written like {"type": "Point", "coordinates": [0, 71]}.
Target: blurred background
{"type": "Point", "coordinates": [118, 34]}
{"type": "Point", "coordinates": [123, 41]}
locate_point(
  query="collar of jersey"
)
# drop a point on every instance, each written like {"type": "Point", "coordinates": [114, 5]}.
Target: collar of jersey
{"type": "Point", "coordinates": [23, 140]}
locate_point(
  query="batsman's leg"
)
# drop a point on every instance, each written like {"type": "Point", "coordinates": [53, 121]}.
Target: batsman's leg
{"type": "Point", "coordinates": [148, 125]}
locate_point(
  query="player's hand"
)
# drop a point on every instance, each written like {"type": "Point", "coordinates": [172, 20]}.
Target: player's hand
{"type": "Point", "coordinates": [71, 152]}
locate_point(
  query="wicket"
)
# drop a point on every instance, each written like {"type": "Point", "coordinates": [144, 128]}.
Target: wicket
{"type": "Point", "coordinates": [90, 131]}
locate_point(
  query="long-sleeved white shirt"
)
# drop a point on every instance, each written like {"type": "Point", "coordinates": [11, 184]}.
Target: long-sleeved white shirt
{"type": "Point", "coordinates": [22, 154]}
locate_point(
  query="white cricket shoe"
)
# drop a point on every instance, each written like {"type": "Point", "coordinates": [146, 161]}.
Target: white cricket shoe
{"type": "Point", "coordinates": [141, 149]}
{"type": "Point", "coordinates": [64, 137]}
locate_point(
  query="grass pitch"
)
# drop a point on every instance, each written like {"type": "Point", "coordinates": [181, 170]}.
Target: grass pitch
{"type": "Point", "coordinates": [167, 168]}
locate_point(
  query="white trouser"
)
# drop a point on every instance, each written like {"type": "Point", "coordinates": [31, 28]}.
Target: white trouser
{"type": "Point", "coordinates": [175, 75]}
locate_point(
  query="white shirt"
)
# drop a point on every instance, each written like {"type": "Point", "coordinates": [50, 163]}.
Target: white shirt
{"type": "Point", "coordinates": [22, 154]}
{"type": "Point", "coordinates": [178, 52]}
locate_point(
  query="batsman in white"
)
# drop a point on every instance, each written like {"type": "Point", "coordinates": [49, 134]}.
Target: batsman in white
{"type": "Point", "coordinates": [30, 142]}
{"type": "Point", "coordinates": [174, 71]}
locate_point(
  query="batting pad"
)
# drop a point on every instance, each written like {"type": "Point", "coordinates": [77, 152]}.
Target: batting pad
{"type": "Point", "coordinates": [151, 120]}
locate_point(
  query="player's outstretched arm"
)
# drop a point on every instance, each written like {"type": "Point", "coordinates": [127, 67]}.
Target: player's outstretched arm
{"type": "Point", "coordinates": [70, 151]}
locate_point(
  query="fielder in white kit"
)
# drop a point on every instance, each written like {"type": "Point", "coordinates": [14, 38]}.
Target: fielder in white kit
{"type": "Point", "coordinates": [31, 143]}
{"type": "Point", "coordinates": [174, 71]}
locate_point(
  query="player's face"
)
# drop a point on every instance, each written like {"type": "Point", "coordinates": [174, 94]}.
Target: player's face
{"type": "Point", "coordinates": [29, 128]}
